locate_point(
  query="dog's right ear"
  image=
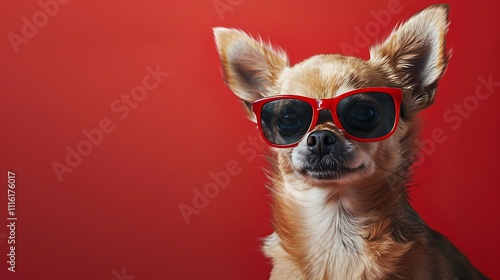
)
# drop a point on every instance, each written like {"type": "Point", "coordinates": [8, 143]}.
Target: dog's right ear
{"type": "Point", "coordinates": [416, 53]}
{"type": "Point", "coordinates": [251, 67]}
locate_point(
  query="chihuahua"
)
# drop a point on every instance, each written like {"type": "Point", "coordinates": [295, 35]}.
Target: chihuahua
{"type": "Point", "coordinates": [344, 135]}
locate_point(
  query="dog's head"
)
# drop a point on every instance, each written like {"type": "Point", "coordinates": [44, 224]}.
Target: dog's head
{"type": "Point", "coordinates": [412, 59]}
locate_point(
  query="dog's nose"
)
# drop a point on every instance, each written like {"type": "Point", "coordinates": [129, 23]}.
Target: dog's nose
{"type": "Point", "coordinates": [321, 142]}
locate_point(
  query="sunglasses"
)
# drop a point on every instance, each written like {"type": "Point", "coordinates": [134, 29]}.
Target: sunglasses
{"type": "Point", "coordinates": [366, 115]}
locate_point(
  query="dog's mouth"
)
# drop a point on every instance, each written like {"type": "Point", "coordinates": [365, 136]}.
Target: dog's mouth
{"type": "Point", "coordinates": [344, 162]}
{"type": "Point", "coordinates": [335, 172]}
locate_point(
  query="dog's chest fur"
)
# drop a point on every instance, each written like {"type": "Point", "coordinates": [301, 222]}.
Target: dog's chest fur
{"type": "Point", "coordinates": [316, 237]}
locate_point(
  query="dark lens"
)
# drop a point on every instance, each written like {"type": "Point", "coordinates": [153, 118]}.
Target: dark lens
{"type": "Point", "coordinates": [285, 121]}
{"type": "Point", "coordinates": [363, 117]}
{"type": "Point", "coordinates": [367, 115]}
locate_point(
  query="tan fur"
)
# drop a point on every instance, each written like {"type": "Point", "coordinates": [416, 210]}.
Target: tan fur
{"type": "Point", "coordinates": [360, 226]}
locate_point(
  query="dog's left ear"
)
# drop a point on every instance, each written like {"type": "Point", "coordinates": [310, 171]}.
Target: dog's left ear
{"type": "Point", "coordinates": [416, 54]}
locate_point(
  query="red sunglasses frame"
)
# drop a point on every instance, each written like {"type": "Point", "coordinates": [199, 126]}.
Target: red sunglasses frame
{"type": "Point", "coordinates": [331, 104]}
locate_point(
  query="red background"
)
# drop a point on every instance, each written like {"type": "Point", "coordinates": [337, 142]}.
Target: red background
{"type": "Point", "coordinates": [119, 208]}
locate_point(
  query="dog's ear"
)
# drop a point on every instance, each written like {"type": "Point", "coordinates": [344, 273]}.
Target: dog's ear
{"type": "Point", "coordinates": [415, 53]}
{"type": "Point", "coordinates": [251, 67]}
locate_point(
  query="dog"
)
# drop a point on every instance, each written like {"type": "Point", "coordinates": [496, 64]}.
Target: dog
{"type": "Point", "coordinates": [344, 132]}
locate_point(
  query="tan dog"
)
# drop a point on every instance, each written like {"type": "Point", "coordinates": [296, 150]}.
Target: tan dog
{"type": "Point", "coordinates": [340, 196]}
